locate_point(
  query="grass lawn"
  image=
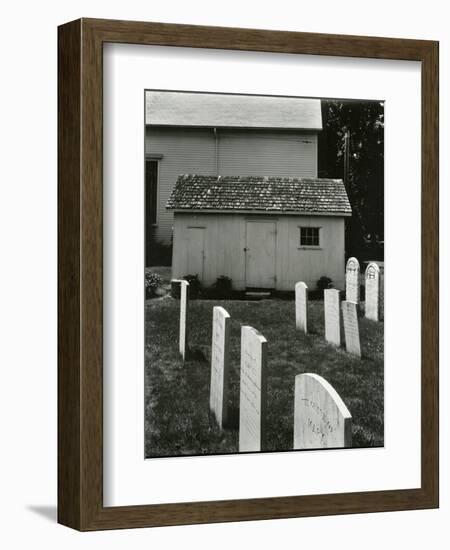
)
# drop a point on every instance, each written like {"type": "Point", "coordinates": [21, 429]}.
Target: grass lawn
{"type": "Point", "coordinates": [177, 417]}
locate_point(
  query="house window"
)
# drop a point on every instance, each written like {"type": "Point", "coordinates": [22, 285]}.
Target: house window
{"type": "Point", "coordinates": [309, 236]}
{"type": "Point", "coordinates": [151, 191]}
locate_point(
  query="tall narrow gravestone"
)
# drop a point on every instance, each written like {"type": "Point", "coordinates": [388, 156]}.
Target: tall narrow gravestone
{"type": "Point", "coordinates": [352, 281]}
{"type": "Point", "coordinates": [301, 306]}
{"type": "Point", "coordinates": [184, 310]}
{"type": "Point", "coordinates": [253, 390]}
{"type": "Point", "coordinates": [218, 396]}
{"type": "Point", "coordinates": [321, 419]}
{"type": "Point", "coordinates": [333, 325]}
{"type": "Point", "coordinates": [351, 327]}
{"type": "Point", "coordinates": [372, 280]}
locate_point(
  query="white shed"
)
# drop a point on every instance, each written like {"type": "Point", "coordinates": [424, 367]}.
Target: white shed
{"type": "Point", "coordinates": [262, 232]}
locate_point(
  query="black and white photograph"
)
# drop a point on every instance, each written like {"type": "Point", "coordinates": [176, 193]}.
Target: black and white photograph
{"type": "Point", "coordinates": [264, 277]}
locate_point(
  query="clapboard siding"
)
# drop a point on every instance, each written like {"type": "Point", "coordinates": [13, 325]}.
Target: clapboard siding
{"type": "Point", "coordinates": [184, 151]}
{"type": "Point", "coordinates": [239, 152]}
{"type": "Point", "coordinates": [252, 153]}
{"type": "Point", "coordinates": [225, 240]}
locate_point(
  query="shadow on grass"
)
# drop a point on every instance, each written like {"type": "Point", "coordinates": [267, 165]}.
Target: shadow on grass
{"type": "Point", "coordinates": [233, 419]}
{"type": "Point", "coordinates": [196, 354]}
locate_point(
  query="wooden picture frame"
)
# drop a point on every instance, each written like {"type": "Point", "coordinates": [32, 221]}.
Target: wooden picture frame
{"type": "Point", "coordinates": [80, 271]}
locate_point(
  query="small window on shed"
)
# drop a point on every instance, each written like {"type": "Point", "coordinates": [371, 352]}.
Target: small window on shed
{"type": "Point", "coordinates": [309, 236]}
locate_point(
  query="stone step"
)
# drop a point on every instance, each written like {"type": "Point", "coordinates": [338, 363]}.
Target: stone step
{"type": "Point", "coordinates": [257, 295]}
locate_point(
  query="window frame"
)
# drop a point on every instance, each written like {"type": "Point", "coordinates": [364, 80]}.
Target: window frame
{"type": "Point", "coordinates": [311, 228]}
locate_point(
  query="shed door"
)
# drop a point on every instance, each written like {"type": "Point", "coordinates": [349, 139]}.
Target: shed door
{"type": "Point", "coordinates": [195, 251]}
{"type": "Point", "coordinates": [260, 254]}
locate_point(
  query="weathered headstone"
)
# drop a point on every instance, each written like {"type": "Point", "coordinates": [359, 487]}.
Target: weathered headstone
{"type": "Point", "coordinates": [218, 395]}
{"type": "Point", "coordinates": [184, 310]}
{"type": "Point", "coordinates": [352, 281]}
{"type": "Point", "coordinates": [333, 325]}
{"type": "Point", "coordinates": [321, 419]}
{"type": "Point", "coordinates": [351, 327]}
{"type": "Point", "coordinates": [253, 391]}
{"type": "Point", "coordinates": [373, 295]}
{"type": "Point", "coordinates": [301, 306]}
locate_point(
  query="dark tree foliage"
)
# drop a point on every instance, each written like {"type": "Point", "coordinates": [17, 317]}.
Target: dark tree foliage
{"type": "Point", "coordinates": [358, 159]}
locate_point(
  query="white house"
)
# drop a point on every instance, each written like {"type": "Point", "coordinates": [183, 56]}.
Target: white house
{"type": "Point", "coordinates": [262, 232]}
{"type": "Point", "coordinates": [223, 134]}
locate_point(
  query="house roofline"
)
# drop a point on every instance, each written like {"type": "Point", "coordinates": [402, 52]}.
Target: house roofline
{"type": "Point", "coordinates": [238, 127]}
{"type": "Point", "coordinates": [258, 212]}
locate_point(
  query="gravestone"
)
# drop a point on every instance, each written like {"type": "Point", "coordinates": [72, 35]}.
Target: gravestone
{"type": "Point", "coordinates": [321, 419]}
{"type": "Point", "coordinates": [373, 296]}
{"type": "Point", "coordinates": [218, 395]}
{"type": "Point", "coordinates": [253, 392]}
{"type": "Point", "coordinates": [333, 325]}
{"type": "Point", "coordinates": [352, 281]}
{"type": "Point", "coordinates": [301, 306]}
{"type": "Point", "coordinates": [184, 310]}
{"type": "Point", "coordinates": [351, 327]}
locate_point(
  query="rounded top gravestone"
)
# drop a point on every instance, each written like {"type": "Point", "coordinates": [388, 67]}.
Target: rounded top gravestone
{"type": "Point", "coordinates": [372, 271]}
{"type": "Point", "coordinates": [352, 270]}
{"type": "Point", "coordinates": [372, 281]}
{"type": "Point", "coordinates": [321, 418]}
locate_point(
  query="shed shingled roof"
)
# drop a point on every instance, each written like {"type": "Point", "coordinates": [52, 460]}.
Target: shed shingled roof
{"type": "Point", "coordinates": [260, 194]}
{"type": "Point", "coordinates": [231, 111]}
